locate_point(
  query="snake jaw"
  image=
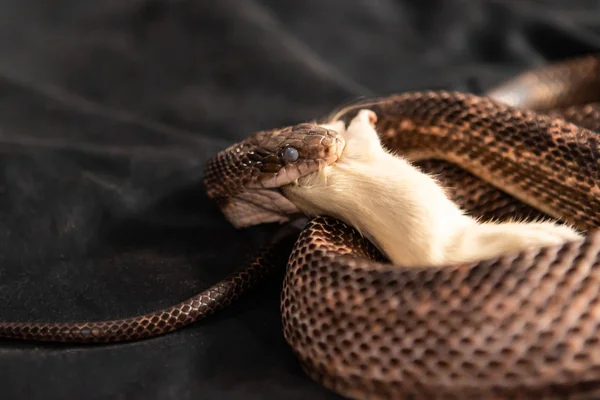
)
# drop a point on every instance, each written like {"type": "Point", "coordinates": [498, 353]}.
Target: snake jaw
{"type": "Point", "coordinates": [259, 207]}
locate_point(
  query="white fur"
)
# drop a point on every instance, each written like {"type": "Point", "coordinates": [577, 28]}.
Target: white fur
{"type": "Point", "coordinates": [404, 211]}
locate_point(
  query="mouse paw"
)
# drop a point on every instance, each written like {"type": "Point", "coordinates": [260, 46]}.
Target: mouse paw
{"type": "Point", "coordinates": [363, 126]}
{"type": "Point", "coordinates": [366, 116]}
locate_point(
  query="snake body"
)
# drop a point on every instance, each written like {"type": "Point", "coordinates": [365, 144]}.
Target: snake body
{"type": "Point", "coordinates": [521, 326]}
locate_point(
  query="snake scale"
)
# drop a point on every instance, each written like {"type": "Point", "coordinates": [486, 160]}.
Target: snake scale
{"type": "Point", "coordinates": [523, 325]}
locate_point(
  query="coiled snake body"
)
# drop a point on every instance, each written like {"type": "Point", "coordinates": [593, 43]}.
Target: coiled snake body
{"type": "Point", "coordinates": [523, 325]}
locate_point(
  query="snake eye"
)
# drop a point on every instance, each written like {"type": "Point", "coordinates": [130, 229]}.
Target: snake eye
{"type": "Point", "coordinates": [290, 154]}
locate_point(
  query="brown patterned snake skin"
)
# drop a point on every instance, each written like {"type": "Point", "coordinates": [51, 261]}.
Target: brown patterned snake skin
{"type": "Point", "coordinates": [524, 325]}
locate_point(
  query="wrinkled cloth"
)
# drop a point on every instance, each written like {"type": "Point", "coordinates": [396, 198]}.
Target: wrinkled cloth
{"type": "Point", "coordinates": [109, 110]}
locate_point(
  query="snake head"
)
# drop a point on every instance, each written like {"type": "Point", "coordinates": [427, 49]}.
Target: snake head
{"type": "Point", "coordinates": [245, 180]}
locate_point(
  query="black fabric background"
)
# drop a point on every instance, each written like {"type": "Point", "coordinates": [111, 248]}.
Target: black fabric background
{"type": "Point", "coordinates": [108, 111]}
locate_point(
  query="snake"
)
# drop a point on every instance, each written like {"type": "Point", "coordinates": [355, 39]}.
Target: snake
{"type": "Point", "coordinates": [523, 325]}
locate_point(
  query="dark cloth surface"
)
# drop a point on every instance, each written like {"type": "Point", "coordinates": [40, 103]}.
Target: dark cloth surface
{"type": "Point", "coordinates": [109, 110]}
